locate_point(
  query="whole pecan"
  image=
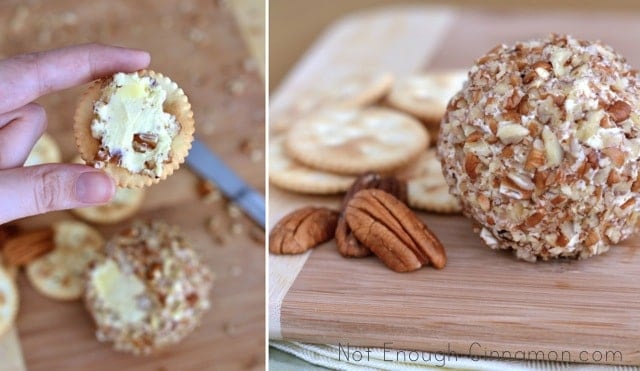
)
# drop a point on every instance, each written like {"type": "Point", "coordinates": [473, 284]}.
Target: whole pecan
{"type": "Point", "coordinates": [348, 245]}
{"type": "Point", "coordinates": [23, 248]}
{"type": "Point", "coordinates": [303, 229]}
{"type": "Point", "coordinates": [393, 232]}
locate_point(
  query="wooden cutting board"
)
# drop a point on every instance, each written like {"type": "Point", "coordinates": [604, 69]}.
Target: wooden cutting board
{"type": "Point", "coordinates": [484, 302]}
{"type": "Point", "coordinates": [196, 43]}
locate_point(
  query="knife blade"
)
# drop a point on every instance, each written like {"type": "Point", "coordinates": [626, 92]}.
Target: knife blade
{"type": "Point", "coordinates": [206, 164]}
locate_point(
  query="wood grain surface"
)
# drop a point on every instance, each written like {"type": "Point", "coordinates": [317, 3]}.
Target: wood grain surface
{"type": "Point", "coordinates": [197, 44]}
{"type": "Point", "coordinates": [483, 303]}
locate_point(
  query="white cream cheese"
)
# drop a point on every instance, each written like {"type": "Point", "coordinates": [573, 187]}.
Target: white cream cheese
{"type": "Point", "coordinates": [132, 106]}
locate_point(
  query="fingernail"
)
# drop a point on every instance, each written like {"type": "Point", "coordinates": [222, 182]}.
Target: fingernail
{"type": "Point", "coordinates": [94, 187]}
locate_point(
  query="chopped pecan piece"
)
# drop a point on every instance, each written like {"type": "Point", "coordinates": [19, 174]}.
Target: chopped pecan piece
{"type": "Point", "coordinates": [143, 142]}
{"type": "Point", "coordinates": [619, 111]}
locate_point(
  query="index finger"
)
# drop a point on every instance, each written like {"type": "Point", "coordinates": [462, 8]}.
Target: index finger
{"type": "Point", "coordinates": [25, 77]}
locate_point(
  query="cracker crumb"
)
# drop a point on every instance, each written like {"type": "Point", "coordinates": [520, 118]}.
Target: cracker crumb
{"type": "Point", "coordinates": [236, 87]}
{"type": "Point", "coordinates": [256, 156]}
{"type": "Point", "coordinates": [250, 148]}
{"type": "Point", "coordinates": [235, 271]}
{"type": "Point", "coordinates": [237, 229]}
{"type": "Point", "coordinates": [218, 229]}
{"type": "Point", "coordinates": [250, 65]}
{"type": "Point", "coordinates": [230, 329]}
{"type": "Point", "coordinates": [209, 192]}
{"type": "Point", "coordinates": [233, 211]}
{"type": "Point", "coordinates": [196, 35]}
{"type": "Point", "coordinates": [208, 127]}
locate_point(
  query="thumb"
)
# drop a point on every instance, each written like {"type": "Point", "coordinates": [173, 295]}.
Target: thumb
{"type": "Point", "coordinates": [39, 189]}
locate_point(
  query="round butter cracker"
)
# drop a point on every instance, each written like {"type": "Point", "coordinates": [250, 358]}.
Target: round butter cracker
{"type": "Point", "coordinates": [357, 89]}
{"type": "Point", "coordinates": [125, 203]}
{"type": "Point", "coordinates": [426, 187]}
{"type": "Point", "coordinates": [354, 141]}
{"type": "Point", "coordinates": [8, 301]}
{"type": "Point", "coordinates": [60, 274]}
{"type": "Point", "coordinates": [426, 95]}
{"type": "Point", "coordinates": [176, 104]}
{"type": "Point", "coordinates": [290, 175]}
{"type": "Point", "coordinates": [12, 271]}
{"type": "Point", "coordinates": [45, 151]}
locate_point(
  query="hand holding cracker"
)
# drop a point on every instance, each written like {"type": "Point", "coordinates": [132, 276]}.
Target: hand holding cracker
{"type": "Point", "coordinates": [32, 190]}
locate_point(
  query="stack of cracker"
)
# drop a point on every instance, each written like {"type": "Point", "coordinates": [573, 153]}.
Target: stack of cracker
{"type": "Point", "coordinates": [366, 122]}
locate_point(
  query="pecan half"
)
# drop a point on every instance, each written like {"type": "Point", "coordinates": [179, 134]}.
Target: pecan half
{"type": "Point", "coordinates": [104, 155]}
{"type": "Point", "coordinates": [142, 142]}
{"type": "Point", "coordinates": [303, 229]}
{"type": "Point", "coordinates": [7, 231]}
{"type": "Point", "coordinates": [26, 247]}
{"type": "Point", "coordinates": [348, 245]}
{"type": "Point", "coordinates": [393, 232]}
{"type": "Point", "coordinates": [371, 180]}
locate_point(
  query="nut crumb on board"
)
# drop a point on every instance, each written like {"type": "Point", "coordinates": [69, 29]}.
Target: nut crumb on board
{"type": "Point", "coordinates": [235, 271]}
{"type": "Point", "coordinates": [230, 329]}
{"type": "Point", "coordinates": [208, 192]}
{"type": "Point", "coordinates": [250, 147]}
{"type": "Point", "coordinates": [218, 228]}
{"type": "Point", "coordinates": [236, 87]}
{"type": "Point", "coordinates": [250, 65]}
{"type": "Point", "coordinates": [237, 229]}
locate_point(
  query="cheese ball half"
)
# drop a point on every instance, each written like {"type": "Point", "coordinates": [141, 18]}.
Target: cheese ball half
{"type": "Point", "coordinates": [150, 290]}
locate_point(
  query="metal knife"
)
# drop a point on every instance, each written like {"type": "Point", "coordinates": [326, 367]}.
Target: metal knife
{"type": "Point", "coordinates": [208, 165]}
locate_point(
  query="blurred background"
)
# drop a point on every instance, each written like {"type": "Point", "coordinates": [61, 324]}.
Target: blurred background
{"type": "Point", "coordinates": [294, 25]}
{"type": "Point", "coordinates": [214, 50]}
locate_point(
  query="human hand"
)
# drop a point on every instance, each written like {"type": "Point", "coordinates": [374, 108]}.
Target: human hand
{"type": "Point", "coordinates": [26, 191]}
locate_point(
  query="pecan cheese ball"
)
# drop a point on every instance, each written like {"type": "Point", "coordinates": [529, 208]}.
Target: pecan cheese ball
{"type": "Point", "coordinates": [541, 146]}
{"type": "Point", "coordinates": [149, 291]}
